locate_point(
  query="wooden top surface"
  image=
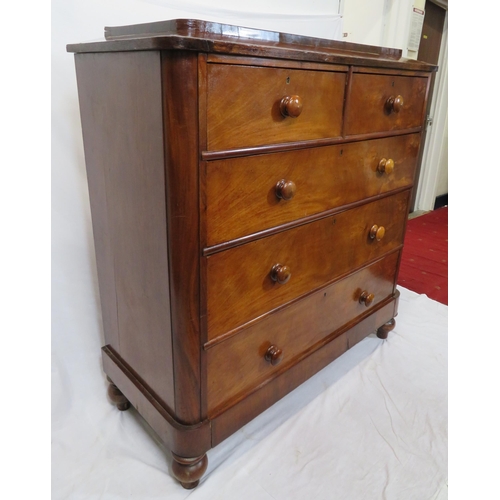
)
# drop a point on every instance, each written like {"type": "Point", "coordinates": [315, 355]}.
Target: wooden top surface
{"type": "Point", "coordinates": [205, 36]}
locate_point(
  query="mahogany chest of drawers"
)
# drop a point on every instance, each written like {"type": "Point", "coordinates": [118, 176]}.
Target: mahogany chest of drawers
{"type": "Point", "coordinates": [249, 194]}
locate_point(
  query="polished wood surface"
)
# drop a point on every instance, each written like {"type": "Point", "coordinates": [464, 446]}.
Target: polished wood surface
{"type": "Point", "coordinates": [281, 273]}
{"type": "Point", "coordinates": [291, 106]}
{"type": "Point", "coordinates": [285, 190]}
{"type": "Point", "coordinates": [366, 298]}
{"type": "Point", "coordinates": [383, 331]}
{"type": "Point", "coordinates": [189, 471]}
{"type": "Point", "coordinates": [368, 110]}
{"type": "Point", "coordinates": [377, 232]}
{"type": "Point", "coordinates": [203, 36]}
{"type": "Point", "coordinates": [249, 195]}
{"type": "Point", "coordinates": [294, 330]}
{"type": "Point", "coordinates": [324, 178]}
{"type": "Point", "coordinates": [211, 30]}
{"type": "Point", "coordinates": [185, 440]}
{"type": "Point", "coordinates": [386, 166]}
{"type": "Point", "coordinates": [124, 158]}
{"type": "Point", "coordinates": [274, 355]}
{"type": "Point", "coordinates": [234, 416]}
{"type": "Point", "coordinates": [180, 109]}
{"type": "Point", "coordinates": [250, 115]}
{"type": "Point", "coordinates": [394, 104]}
{"type": "Point", "coordinates": [239, 283]}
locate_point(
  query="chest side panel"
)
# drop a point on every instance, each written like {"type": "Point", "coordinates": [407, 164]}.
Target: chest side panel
{"type": "Point", "coordinates": [120, 98]}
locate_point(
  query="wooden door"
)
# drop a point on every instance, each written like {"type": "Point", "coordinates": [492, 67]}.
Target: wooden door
{"type": "Point", "coordinates": [429, 48]}
{"type": "Point", "coordinates": [432, 32]}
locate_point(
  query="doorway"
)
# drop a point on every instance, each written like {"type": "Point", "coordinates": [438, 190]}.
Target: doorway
{"type": "Point", "coordinates": [429, 172]}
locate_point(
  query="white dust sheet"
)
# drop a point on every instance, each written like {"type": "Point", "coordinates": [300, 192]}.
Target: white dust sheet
{"type": "Point", "coordinates": [371, 425]}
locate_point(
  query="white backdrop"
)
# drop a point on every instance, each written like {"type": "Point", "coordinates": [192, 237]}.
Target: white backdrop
{"type": "Point", "coordinates": [348, 434]}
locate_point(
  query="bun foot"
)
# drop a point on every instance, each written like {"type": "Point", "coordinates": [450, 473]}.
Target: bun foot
{"type": "Point", "coordinates": [384, 330]}
{"type": "Point", "coordinates": [188, 471]}
{"type": "Point", "coordinates": [117, 398]}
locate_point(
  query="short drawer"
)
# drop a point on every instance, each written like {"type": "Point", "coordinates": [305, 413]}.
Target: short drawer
{"type": "Point", "coordinates": [247, 281]}
{"type": "Point", "coordinates": [247, 105]}
{"type": "Point", "coordinates": [293, 331]}
{"type": "Point", "coordinates": [369, 106]}
{"type": "Point", "coordinates": [247, 195]}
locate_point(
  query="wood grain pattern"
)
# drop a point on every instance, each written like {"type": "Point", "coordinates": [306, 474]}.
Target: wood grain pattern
{"type": "Point", "coordinates": [366, 111]}
{"type": "Point", "coordinates": [239, 286]}
{"type": "Point", "coordinates": [212, 30]}
{"type": "Point", "coordinates": [203, 36]}
{"type": "Point", "coordinates": [241, 196]}
{"type": "Point", "coordinates": [273, 63]}
{"type": "Point", "coordinates": [267, 394]}
{"type": "Point", "coordinates": [180, 106]}
{"type": "Point", "coordinates": [249, 115]}
{"type": "Point", "coordinates": [294, 330]}
{"type": "Point", "coordinates": [296, 145]}
{"type": "Point", "coordinates": [122, 129]}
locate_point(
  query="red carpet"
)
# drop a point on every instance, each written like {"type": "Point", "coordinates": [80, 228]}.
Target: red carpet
{"type": "Point", "coordinates": [424, 264]}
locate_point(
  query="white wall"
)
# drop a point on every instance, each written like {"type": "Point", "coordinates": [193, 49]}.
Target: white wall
{"type": "Point", "coordinates": [442, 179]}
{"type": "Point", "coordinates": [379, 22]}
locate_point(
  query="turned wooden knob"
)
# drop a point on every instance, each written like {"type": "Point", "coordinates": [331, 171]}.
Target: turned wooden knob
{"type": "Point", "coordinates": [291, 106]}
{"type": "Point", "coordinates": [366, 298]}
{"type": "Point", "coordinates": [394, 104]}
{"type": "Point", "coordinates": [386, 166]}
{"type": "Point", "coordinates": [285, 189]}
{"type": "Point", "coordinates": [377, 232]}
{"type": "Point", "coordinates": [274, 355]}
{"type": "Point", "coordinates": [280, 273]}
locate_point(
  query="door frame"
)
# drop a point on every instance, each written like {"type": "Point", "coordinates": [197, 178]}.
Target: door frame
{"type": "Point", "coordinates": [427, 185]}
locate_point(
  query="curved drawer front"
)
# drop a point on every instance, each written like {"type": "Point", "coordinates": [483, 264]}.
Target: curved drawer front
{"type": "Point", "coordinates": [293, 330]}
{"type": "Point", "coordinates": [243, 195]}
{"type": "Point", "coordinates": [244, 282]}
{"type": "Point", "coordinates": [369, 111]}
{"type": "Point", "coordinates": [243, 105]}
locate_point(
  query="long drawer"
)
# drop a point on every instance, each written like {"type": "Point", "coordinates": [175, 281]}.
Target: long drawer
{"type": "Point", "coordinates": [292, 331]}
{"type": "Point", "coordinates": [380, 103]}
{"type": "Point", "coordinates": [247, 105]}
{"type": "Point", "coordinates": [247, 195]}
{"type": "Point", "coordinates": [247, 281]}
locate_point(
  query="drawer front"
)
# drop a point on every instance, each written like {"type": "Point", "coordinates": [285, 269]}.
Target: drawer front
{"type": "Point", "coordinates": [368, 110]}
{"type": "Point", "coordinates": [293, 330]}
{"type": "Point", "coordinates": [243, 105]}
{"type": "Point", "coordinates": [244, 195]}
{"type": "Point", "coordinates": [240, 284]}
